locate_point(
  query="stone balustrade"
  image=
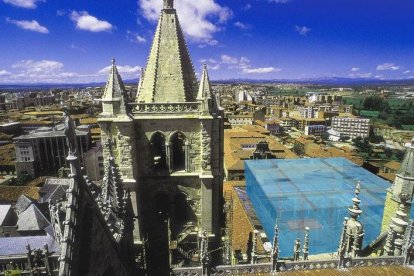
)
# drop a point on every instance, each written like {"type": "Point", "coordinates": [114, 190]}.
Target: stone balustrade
{"type": "Point", "coordinates": [290, 266]}
{"type": "Point", "coordinates": [165, 108]}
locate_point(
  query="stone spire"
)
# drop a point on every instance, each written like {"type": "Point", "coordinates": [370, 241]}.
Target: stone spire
{"type": "Point", "coordinates": [403, 184]}
{"type": "Point", "coordinates": [204, 90]}
{"type": "Point", "coordinates": [407, 166]}
{"type": "Point", "coordinates": [205, 95]}
{"type": "Point", "coordinates": [114, 97]}
{"type": "Point", "coordinates": [396, 229]}
{"type": "Point", "coordinates": [169, 75]}
{"type": "Point", "coordinates": [404, 181]}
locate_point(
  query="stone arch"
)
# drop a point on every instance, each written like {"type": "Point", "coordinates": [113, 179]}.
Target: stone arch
{"type": "Point", "coordinates": [158, 151]}
{"type": "Point", "coordinates": [178, 151]}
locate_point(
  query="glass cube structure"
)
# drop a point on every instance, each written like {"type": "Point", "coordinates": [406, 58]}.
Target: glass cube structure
{"type": "Point", "coordinates": [314, 193]}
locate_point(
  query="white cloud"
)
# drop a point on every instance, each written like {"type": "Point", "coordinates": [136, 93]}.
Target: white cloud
{"type": "Point", "coordinates": [279, 1]}
{"type": "Point", "coordinates": [51, 71]}
{"type": "Point", "coordinates": [125, 71]}
{"type": "Point", "coordinates": [360, 75]}
{"type": "Point", "coordinates": [42, 66]}
{"type": "Point", "coordinates": [247, 7]}
{"type": "Point", "coordinates": [407, 72]}
{"type": "Point", "coordinates": [27, 4]}
{"type": "Point", "coordinates": [241, 25]}
{"type": "Point", "coordinates": [61, 13]}
{"type": "Point", "coordinates": [226, 59]}
{"type": "Point", "coordinates": [355, 69]}
{"type": "Point", "coordinates": [4, 73]}
{"type": "Point", "coordinates": [42, 71]}
{"type": "Point", "coordinates": [134, 37]}
{"type": "Point", "coordinates": [87, 22]}
{"type": "Point", "coordinates": [302, 30]}
{"type": "Point", "coordinates": [199, 19]}
{"type": "Point", "coordinates": [141, 39]}
{"type": "Point", "coordinates": [388, 67]}
{"type": "Point", "coordinates": [33, 25]}
{"type": "Point", "coordinates": [261, 70]}
{"type": "Point", "coordinates": [242, 64]}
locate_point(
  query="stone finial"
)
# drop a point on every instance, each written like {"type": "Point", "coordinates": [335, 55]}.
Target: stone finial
{"type": "Point", "coordinates": [275, 248]}
{"type": "Point", "coordinates": [355, 210]}
{"type": "Point", "coordinates": [305, 249]}
{"type": "Point", "coordinates": [168, 4]}
{"type": "Point", "coordinates": [296, 250]}
{"type": "Point", "coordinates": [113, 61]}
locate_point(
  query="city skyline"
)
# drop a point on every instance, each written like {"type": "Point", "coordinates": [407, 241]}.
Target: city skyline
{"type": "Point", "coordinates": [73, 41]}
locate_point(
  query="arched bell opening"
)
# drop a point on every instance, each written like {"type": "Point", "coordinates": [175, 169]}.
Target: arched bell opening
{"type": "Point", "coordinates": [178, 154]}
{"type": "Point", "coordinates": [158, 151]}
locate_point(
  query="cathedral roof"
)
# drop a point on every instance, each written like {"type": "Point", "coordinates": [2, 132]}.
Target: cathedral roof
{"type": "Point", "coordinates": [407, 165]}
{"type": "Point", "coordinates": [169, 75]}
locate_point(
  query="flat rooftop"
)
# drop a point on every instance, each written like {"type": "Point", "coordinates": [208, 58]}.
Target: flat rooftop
{"type": "Point", "coordinates": [313, 193]}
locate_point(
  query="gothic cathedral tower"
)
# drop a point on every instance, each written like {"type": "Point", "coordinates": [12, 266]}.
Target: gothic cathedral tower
{"type": "Point", "coordinates": [168, 145]}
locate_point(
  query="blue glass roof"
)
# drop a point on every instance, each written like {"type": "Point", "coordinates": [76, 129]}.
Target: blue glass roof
{"type": "Point", "coordinates": [313, 193]}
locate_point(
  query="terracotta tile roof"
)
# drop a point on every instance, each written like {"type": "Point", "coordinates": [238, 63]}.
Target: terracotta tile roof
{"type": "Point", "coordinates": [234, 154]}
{"type": "Point", "coordinates": [393, 165]}
{"type": "Point", "coordinates": [88, 121]}
{"type": "Point", "coordinates": [95, 130]}
{"type": "Point", "coordinates": [316, 151]}
{"type": "Point", "coordinates": [387, 176]}
{"type": "Point", "coordinates": [7, 155]}
{"type": "Point", "coordinates": [12, 193]}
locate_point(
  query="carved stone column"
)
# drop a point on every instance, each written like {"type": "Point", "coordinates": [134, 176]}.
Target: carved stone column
{"type": "Point", "coordinates": [187, 157]}
{"type": "Point", "coordinates": [168, 156]}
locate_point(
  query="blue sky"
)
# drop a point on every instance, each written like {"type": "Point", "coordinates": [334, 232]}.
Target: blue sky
{"type": "Point", "coordinates": [46, 41]}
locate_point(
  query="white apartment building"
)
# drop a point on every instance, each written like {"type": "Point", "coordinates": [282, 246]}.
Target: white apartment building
{"type": "Point", "coordinates": [352, 127]}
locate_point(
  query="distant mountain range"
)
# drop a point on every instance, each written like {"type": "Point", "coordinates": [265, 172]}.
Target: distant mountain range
{"type": "Point", "coordinates": [334, 81]}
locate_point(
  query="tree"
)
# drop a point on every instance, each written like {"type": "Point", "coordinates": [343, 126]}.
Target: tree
{"type": "Point", "coordinates": [344, 138]}
{"type": "Point", "coordinates": [375, 103]}
{"type": "Point", "coordinates": [362, 144]}
{"type": "Point", "coordinates": [376, 139]}
{"type": "Point", "coordinates": [298, 150]}
{"type": "Point", "coordinates": [325, 136]}
{"type": "Point", "coordinates": [22, 179]}
{"type": "Point", "coordinates": [399, 154]}
{"type": "Point", "coordinates": [388, 152]}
